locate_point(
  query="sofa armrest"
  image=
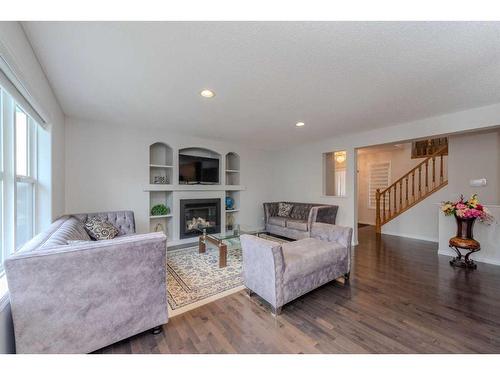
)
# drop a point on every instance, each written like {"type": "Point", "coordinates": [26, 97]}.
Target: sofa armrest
{"type": "Point", "coordinates": [322, 214]}
{"type": "Point", "coordinates": [263, 268]}
{"type": "Point", "coordinates": [334, 233]}
{"type": "Point", "coordinates": [79, 298]}
{"type": "Point", "coordinates": [270, 209]}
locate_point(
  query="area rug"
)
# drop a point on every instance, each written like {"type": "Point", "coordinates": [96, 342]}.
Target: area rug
{"type": "Point", "coordinates": [193, 277]}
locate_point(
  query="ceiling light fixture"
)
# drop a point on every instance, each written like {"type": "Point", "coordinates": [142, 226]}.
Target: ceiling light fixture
{"type": "Point", "coordinates": [206, 93]}
{"type": "Point", "coordinates": [299, 124]}
{"type": "Point", "coordinates": [340, 156]}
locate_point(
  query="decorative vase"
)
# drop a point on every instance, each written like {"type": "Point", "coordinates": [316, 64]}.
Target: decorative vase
{"type": "Point", "coordinates": [464, 240]}
{"type": "Point", "coordinates": [465, 227]}
{"type": "Point", "coordinates": [229, 203]}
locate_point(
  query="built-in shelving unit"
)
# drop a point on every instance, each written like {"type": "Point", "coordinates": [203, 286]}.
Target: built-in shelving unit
{"type": "Point", "coordinates": [160, 166]}
{"type": "Point", "coordinates": [161, 174]}
{"type": "Point", "coordinates": [160, 216]}
{"type": "Point", "coordinates": [232, 168]}
{"type": "Point", "coordinates": [232, 180]}
{"type": "Point", "coordinates": [164, 167]}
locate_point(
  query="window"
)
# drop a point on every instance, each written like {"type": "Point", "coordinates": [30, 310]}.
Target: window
{"type": "Point", "coordinates": [18, 176]}
{"type": "Point", "coordinates": [335, 164]}
{"type": "Point", "coordinates": [379, 178]}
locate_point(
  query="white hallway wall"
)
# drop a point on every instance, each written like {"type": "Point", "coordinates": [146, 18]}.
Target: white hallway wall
{"type": "Point", "coordinates": [298, 171]}
{"type": "Point", "coordinates": [107, 169]}
{"type": "Point", "coordinates": [16, 49]}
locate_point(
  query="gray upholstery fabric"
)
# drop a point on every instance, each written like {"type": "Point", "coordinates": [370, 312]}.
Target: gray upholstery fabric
{"type": "Point", "coordinates": [122, 220]}
{"type": "Point", "coordinates": [282, 273]}
{"type": "Point", "coordinates": [81, 297]}
{"type": "Point", "coordinates": [263, 267]}
{"type": "Point", "coordinates": [71, 229]}
{"type": "Point", "coordinates": [308, 212]}
{"type": "Point", "coordinates": [51, 233]}
{"type": "Point", "coordinates": [286, 232]}
{"type": "Point", "coordinates": [297, 224]}
{"type": "Point", "coordinates": [309, 255]}
{"type": "Point", "coordinates": [334, 233]}
{"type": "Point", "coordinates": [301, 211]}
{"type": "Point", "coordinates": [277, 220]}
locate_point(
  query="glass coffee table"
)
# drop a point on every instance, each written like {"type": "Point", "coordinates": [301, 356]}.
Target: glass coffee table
{"type": "Point", "coordinates": [218, 239]}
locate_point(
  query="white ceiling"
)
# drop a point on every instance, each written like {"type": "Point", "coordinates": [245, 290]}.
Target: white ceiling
{"type": "Point", "coordinates": [337, 77]}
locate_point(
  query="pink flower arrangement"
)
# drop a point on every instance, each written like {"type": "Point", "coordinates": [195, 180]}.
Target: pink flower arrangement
{"type": "Point", "coordinates": [470, 209]}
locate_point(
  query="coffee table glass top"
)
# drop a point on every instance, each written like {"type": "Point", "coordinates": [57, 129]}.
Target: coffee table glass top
{"type": "Point", "coordinates": [233, 233]}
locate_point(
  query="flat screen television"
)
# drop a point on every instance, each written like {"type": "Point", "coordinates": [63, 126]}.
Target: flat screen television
{"type": "Point", "coordinates": [198, 170]}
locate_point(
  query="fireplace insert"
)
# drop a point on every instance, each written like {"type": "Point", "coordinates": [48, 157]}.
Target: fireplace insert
{"type": "Point", "coordinates": [199, 214]}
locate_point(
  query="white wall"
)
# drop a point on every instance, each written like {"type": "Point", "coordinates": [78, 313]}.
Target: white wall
{"type": "Point", "coordinates": [299, 170]}
{"type": "Point", "coordinates": [107, 169]}
{"type": "Point", "coordinates": [16, 50]}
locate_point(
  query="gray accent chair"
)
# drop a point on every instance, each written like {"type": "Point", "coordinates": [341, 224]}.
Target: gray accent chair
{"type": "Point", "coordinates": [282, 272]}
{"type": "Point", "coordinates": [302, 216]}
{"type": "Point", "coordinates": [70, 294]}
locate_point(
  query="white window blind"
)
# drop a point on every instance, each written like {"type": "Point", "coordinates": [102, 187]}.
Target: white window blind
{"type": "Point", "coordinates": [379, 178]}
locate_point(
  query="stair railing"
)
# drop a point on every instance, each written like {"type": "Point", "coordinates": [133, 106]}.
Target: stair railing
{"type": "Point", "coordinates": [421, 181]}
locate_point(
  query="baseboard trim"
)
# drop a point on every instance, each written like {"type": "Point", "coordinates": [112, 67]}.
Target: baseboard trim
{"type": "Point", "coordinates": [476, 257]}
{"type": "Point", "coordinates": [412, 236]}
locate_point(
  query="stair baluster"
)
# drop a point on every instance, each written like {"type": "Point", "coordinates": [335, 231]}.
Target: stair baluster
{"type": "Point", "coordinates": [384, 213]}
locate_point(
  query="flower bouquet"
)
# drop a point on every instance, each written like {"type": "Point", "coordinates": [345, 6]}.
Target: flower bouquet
{"type": "Point", "coordinates": [470, 209]}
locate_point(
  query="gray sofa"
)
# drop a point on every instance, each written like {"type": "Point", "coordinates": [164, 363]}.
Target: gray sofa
{"type": "Point", "coordinates": [299, 222]}
{"type": "Point", "coordinates": [82, 296]}
{"type": "Point", "coordinates": [280, 273]}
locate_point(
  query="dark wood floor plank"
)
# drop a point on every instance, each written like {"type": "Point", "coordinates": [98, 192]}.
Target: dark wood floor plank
{"type": "Point", "coordinates": [402, 298]}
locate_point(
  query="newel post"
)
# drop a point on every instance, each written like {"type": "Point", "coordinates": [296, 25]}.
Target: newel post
{"type": "Point", "coordinates": [378, 221]}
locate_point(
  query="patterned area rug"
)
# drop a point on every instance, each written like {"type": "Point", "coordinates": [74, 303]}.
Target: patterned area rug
{"type": "Point", "coordinates": [192, 277]}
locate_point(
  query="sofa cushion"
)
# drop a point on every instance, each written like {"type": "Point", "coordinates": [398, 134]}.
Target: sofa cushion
{"type": "Point", "coordinates": [276, 220]}
{"type": "Point", "coordinates": [308, 255]}
{"type": "Point", "coordinates": [301, 211]}
{"type": "Point", "coordinates": [70, 229]}
{"type": "Point", "coordinates": [284, 209]}
{"type": "Point", "coordinates": [100, 229]}
{"type": "Point", "coordinates": [297, 224]}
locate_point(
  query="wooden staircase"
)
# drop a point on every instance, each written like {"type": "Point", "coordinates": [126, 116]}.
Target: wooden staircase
{"type": "Point", "coordinates": [423, 180]}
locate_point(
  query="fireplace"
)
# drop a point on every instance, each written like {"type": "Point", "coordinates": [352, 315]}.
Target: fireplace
{"type": "Point", "coordinates": [199, 213]}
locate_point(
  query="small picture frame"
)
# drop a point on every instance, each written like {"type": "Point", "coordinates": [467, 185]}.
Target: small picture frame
{"type": "Point", "coordinates": [160, 180]}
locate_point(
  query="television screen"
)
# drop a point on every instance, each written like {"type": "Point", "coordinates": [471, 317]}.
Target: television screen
{"type": "Point", "coordinates": [198, 170]}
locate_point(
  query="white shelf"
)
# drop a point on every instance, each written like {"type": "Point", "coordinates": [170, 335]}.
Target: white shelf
{"type": "Point", "coordinates": [233, 210]}
{"type": "Point", "coordinates": [160, 216]}
{"type": "Point", "coordinates": [232, 171]}
{"type": "Point", "coordinates": [163, 187]}
{"type": "Point", "coordinates": [160, 166]}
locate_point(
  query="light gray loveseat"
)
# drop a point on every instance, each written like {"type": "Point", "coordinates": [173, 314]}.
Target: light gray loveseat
{"type": "Point", "coordinates": [82, 296]}
{"type": "Point", "coordinates": [300, 220]}
{"type": "Point", "coordinates": [280, 273]}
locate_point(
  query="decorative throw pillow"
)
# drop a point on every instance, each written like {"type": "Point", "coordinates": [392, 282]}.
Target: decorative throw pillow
{"type": "Point", "coordinates": [100, 229]}
{"type": "Point", "coordinates": [284, 209]}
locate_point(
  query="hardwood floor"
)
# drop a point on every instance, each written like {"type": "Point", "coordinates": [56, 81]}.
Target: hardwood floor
{"type": "Point", "coordinates": [402, 298]}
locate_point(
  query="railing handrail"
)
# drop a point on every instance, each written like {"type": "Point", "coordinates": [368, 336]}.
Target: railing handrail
{"type": "Point", "coordinates": [439, 152]}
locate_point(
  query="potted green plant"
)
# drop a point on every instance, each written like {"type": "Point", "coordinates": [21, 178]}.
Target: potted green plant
{"type": "Point", "coordinates": [160, 210]}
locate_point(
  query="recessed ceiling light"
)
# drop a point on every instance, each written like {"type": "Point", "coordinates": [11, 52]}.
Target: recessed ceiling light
{"type": "Point", "coordinates": [207, 93]}
{"type": "Point", "coordinates": [299, 124]}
